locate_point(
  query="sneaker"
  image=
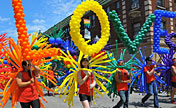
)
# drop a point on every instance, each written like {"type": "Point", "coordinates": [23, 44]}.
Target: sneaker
{"type": "Point", "coordinates": [142, 104]}
{"type": "Point", "coordinates": [172, 101]}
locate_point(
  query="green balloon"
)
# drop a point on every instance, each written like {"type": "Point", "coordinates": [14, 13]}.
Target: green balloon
{"type": "Point", "coordinates": [123, 35]}
{"type": "Point", "coordinates": [35, 47]}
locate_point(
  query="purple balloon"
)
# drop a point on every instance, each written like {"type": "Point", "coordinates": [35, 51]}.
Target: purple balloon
{"type": "Point", "coordinates": [56, 44]}
{"type": "Point", "coordinates": [169, 42]}
{"type": "Point", "coordinates": [73, 52]}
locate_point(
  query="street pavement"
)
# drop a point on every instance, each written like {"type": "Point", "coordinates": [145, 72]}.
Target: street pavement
{"type": "Point", "coordinates": [105, 102]}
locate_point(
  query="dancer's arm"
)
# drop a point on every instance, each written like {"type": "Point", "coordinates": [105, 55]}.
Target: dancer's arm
{"type": "Point", "coordinates": [36, 70]}
{"type": "Point", "coordinates": [20, 83]}
{"type": "Point", "coordinates": [82, 80]}
{"type": "Point", "coordinates": [151, 72]}
{"type": "Point", "coordinates": [173, 70]}
{"type": "Point", "coordinates": [55, 66]}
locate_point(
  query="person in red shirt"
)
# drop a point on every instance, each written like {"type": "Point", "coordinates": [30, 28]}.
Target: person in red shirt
{"type": "Point", "coordinates": [149, 71]}
{"type": "Point", "coordinates": [28, 96]}
{"type": "Point", "coordinates": [173, 79]}
{"type": "Point", "coordinates": [86, 82]}
{"type": "Point", "coordinates": [122, 79]}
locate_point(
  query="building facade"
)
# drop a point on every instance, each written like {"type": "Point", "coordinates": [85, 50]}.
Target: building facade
{"type": "Point", "coordinates": [133, 14]}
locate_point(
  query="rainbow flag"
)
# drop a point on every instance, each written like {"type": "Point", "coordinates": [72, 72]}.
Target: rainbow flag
{"type": "Point", "coordinates": [87, 22]}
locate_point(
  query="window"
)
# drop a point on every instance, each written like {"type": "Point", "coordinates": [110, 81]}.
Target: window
{"type": "Point", "coordinates": [163, 25]}
{"type": "Point", "coordinates": [134, 4]}
{"type": "Point", "coordinates": [108, 10]}
{"type": "Point", "coordinates": [136, 29]}
{"type": "Point", "coordinates": [93, 20]}
{"type": "Point", "coordinates": [160, 3]}
{"type": "Point", "coordinates": [118, 5]}
{"type": "Point", "coordinates": [90, 21]}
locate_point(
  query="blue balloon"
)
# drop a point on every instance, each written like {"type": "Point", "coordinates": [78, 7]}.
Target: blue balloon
{"type": "Point", "coordinates": [73, 52]}
{"type": "Point", "coordinates": [158, 32]}
{"type": "Point", "coordinates": [59, 40]}
{"type": "Point", "coordinates": [51, 40]}
{"type": "Point", "coordinates": [5, 61]}
{"type": "Point", "coordinates": [49, 62]}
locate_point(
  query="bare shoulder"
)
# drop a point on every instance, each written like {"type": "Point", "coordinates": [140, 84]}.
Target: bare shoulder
{"type": "Point", "coordinates": [19, 75]}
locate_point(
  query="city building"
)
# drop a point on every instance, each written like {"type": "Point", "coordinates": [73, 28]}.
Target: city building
{"type": "Point", "coordinates": [133, 14]}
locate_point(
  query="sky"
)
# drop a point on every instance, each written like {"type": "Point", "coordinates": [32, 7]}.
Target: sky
{"type": "Point", "coordinates": [39, 14]}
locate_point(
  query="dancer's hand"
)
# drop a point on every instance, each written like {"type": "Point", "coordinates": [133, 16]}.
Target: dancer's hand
{"type": "Point", "coordinates": [155, 66]}
{"type": "Point", "coordinates": [32, 80]}
{"type": "Point", "coordinates": [88, 73]}
{"type": "Point", "coordinates": [128, 81]}
{"type": "Point", "coordinates": [91, 86]}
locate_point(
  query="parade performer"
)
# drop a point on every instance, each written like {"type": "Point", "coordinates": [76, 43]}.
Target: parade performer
{"type": "Point", "coordinates": [27, 91]}
{"type": "Point", "coordinates": [112, 88]}
{"type": "Point", "coordinates": [122, 79]}
{"type": "Point", "coordinates": [69, 86]}
{"type": "Point", "coordinates": [50, 84]}
{"type": "Point", "coordinates": [173, 74]}
{"type": "Point", "coordinates": [86, 81]}
{"type": "Point", "coordinates": [149, 71]}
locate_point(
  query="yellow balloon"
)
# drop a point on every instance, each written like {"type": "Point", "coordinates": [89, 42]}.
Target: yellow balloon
{"type": "Point", "coordinates": [75, 27]}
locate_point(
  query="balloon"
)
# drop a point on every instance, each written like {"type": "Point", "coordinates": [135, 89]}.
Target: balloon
{"type": "Point", "coordinates": [75, 27]}
{"type": "Point", "coordinates": [56, 45]}
{"type": "Point", "coordinates": [73, 52]}
{"type": "Point", "coordinates": [51, 40]}
{"type": "Point", "coordinates": [158, 32]}
{"type": "Point", "coordinates": [170, 44]}
{"type": "Point", "coordinates": [5, 61]}
{"type": "Point", "coordinates": [71, 80]}
{"type": "Point", "coordinates": [59, 40]}
{"type": "Point", "coordinates": [131, 45]}
{"type": "Point", "coordinates": [94, 55]}
{"type": "Point", "coordinates": [35, 47]}
{"type": "Point", "coordinates": [22, 51]}
{"type": "Point", "coordinates": [68, 66]}
{"type": "Point", "coordinates": [74, 57]}
{"type": "Point", "coordinates": [3, 38]}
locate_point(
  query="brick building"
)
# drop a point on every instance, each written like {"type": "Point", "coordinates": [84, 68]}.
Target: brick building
{"type": "Point", "coordinates": [133, 14]}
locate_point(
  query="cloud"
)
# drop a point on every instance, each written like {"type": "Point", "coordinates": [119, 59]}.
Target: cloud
{"type": "Point", "coordinates": [11, 33]}
{"type": "Point", "coordinates": [4, 19]}
{"type": "Point", "coordinates": [34, 28]}
{"type": "Point", "coordinates": [38, 21]}
{"type": "Point", "coordinates": [62, 8]}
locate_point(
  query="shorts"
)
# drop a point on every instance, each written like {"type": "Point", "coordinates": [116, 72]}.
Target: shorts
{"type": "Point", "coordinates": [84, 97]}
{"type": "Point", "coordinates": [174, 84]}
